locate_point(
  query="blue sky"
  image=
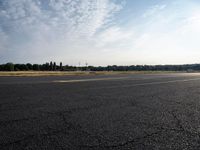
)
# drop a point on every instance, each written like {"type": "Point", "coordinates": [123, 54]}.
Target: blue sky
{"type": "Point", "coordinates": [101, 32]}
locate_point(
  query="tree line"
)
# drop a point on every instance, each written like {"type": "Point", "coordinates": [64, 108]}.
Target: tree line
{"type": "Point", "coordinates": [52, 66]}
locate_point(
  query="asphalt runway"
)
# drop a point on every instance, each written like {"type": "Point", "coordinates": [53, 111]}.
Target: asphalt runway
{"type": "Point", "coordinates": [127, 111]}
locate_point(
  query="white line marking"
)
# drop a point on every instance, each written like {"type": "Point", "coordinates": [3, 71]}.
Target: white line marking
{"type": "Point", "coordinates": [87, 80]}
{"type": "Point", "coordinates": [119, 78]}
{"type": "Point", "coordinates": [150, 83]}
{"type": "Point", "coordinates": [104, 79]}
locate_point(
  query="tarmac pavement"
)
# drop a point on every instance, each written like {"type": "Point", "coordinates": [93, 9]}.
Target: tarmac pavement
{"type": "Point", "coordinates": [127, 111]}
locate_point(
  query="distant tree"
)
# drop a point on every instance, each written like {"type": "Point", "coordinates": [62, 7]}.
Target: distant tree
{"type": "Point", "coordinates": [24, 67]}
{"type": "Point", "coordinates": [29, 66]}
{"type": "Point", "coordinates": [51, 66]}
{"type": "Point", "coordinates": [20, 67]}
{"type": "Point", "coordinates": [47, 66]}
{"type": "Point", "coordinates": [17, 67]}
{"type": "Point", "coordinates": [1, 67]}
{"type": "Point", "coordinates": [9, 67]}
{"type": "Point", "coordinates": [61, 68]}
{"type": "Point", "coordinates": [54, 66]}
{"type": "Point", "coordinates": [36, 67]}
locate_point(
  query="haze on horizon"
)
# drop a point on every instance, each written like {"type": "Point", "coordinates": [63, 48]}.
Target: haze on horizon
{"type": "Point", "coordinates": [101, 32]}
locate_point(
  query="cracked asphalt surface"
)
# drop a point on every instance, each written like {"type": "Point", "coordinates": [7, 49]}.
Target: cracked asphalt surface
{"type": "Point", "coordinates": [149, 111]}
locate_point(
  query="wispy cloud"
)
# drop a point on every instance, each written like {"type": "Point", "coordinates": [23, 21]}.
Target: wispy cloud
{"type": "Point", "coordinates": [169, 35]}
{"type": "Point", "coordinates": [154, 10]}
{"type": "Point", "coordinates": [36, 25]}
{"type": "Point", "coordinates": [100, 31]}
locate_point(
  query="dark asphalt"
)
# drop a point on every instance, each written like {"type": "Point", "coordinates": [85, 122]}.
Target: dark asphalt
{"type": "Point", "coordinates": [151, 112]}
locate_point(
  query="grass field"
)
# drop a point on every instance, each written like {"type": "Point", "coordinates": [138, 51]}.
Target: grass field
{"type": "Point", "coordinates": [67, 73]}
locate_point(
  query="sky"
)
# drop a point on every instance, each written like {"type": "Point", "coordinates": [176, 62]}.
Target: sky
{"type": "Point", "coordinates": [100, 32]}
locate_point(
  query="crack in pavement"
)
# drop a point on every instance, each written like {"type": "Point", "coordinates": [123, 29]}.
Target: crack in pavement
{"type": "Point", "coordinates": [78, 129]}
{"type": "Point", "coordinates": [100, 140]}
{"type": "Point", "coordinates": [73, 110]}
{"type": "Point", "coordinates": [160, 129]}
{"type": "Point", "coordinates": [17, 120]}
{"type": "Point", "coordinates": [180, 126]}
{"type": "Point", "coordinates": [178, 122]}
{"type": "Point", "coordinates": [50, 131]}
{"type": "Point", "coordinates": [134, 140]}
{"type": "Point", "coordinates": [30, 137]}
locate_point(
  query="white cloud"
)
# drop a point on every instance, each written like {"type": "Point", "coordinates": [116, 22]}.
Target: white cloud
{"type": "Point", "coordinates": [80, 30]}
{"type": "Point", "coordinates": [53, 27]}
{"type": "Point", "coordinates": [191, 24]}
{"type": "Point", "coordinates": [154, 10]}
{"type": "Point", "coordinates": [113, 35]}
{"type": "Point", "coordinates": [3, 41]}
{"type": "Point", "coordinates": [169, 37]}
{"type": "Point", "coordinates": [77, 17]}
